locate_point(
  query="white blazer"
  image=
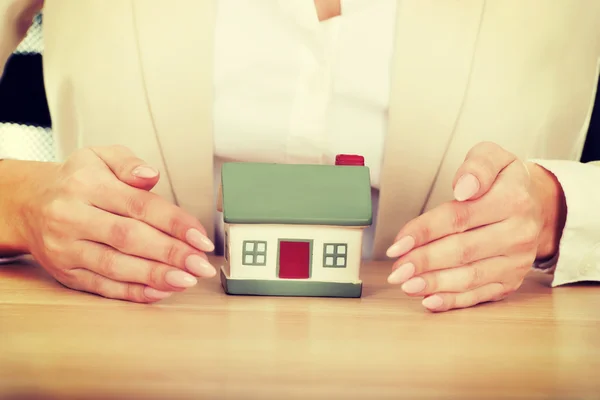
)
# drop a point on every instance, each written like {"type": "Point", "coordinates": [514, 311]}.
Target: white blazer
{"type": "Point", "coordinates": [521, 73]}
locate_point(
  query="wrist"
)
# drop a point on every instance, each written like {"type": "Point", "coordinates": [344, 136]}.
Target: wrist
{"type": "Point", "coordinates": [20, 185]}
{"type": "Point", "coordinates": [549, 193]}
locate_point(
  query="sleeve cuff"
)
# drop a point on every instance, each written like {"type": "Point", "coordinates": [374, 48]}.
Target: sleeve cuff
{"type": "Point", "coordinates": [546, 266]}
{"type": "Point", "coordinates": [578, 256]}
{"type": "Point", "coordinates": [8, 260]}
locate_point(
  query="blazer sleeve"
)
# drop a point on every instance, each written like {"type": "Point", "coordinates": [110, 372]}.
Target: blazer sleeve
{"type": "Point", "coordinates": [16, 17]}
{"type": "Point", "coordinates": [578, 256]}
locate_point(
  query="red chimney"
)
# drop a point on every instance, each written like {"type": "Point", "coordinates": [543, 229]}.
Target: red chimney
{"type": "Point", "coordinates": [349, 159]}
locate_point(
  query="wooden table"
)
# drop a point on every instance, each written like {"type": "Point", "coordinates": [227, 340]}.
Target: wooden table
{"type": "Point", "coordinates": [58, 343]}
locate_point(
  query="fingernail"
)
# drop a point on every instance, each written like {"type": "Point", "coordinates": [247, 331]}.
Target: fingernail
{"type": "Point", "coordinates": [200, 266]}
{"type": "Point", "coordinates": [415, 285]}
{"type": "Point", "coordinates": [432, 302]}
{"type": "Point", "coordinates": [199, 241]}
{"type": "Point", "coordinates": [180, 279]}
{"type": "Point", "coordinates": [156, 294]}
{"type": "Point", "coordinates": [466, 187]}
{"type": "Point", "coordinates": [401, 247]}
{"type": "Point", "coordinates": [401, 274]}
{"type": "Point", "coordinates": [145, 171]}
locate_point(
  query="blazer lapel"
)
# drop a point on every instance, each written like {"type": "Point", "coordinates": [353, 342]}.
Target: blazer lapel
{"type": "Point", "coordinates": [177, 66]}
{"type": "Point", "coordinates": [435, 43]}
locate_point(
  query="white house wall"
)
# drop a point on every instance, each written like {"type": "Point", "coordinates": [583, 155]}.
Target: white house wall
{"type": "Point", "coordinates": [319, 235]}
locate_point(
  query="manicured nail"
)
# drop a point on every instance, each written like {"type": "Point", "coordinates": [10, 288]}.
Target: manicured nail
{"type": "Point", "coordinates": [415, 285]}
{"type": "Point", "coordinates": [156, 294]}
{"type": "Point", "coordinates": [199, 241]}
{"type": "Point", "coordinates": [402, 274]}
{"type": "Point", "coordinates": [401, 247]}
{"type": "Point", "coordinates": [466, 187]}
{"type": "Point", "coordinates": [180, 279]}
{"type": "Point", "coordinates": [432, 302]}
{"type": "Point", "coordinates": [145, 171]}
{"type": "Point", "coordinates": [199, 266]}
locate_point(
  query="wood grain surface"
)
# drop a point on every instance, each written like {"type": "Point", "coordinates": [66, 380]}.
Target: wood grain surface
{"type": "Point", "coordinates": [541, 343]}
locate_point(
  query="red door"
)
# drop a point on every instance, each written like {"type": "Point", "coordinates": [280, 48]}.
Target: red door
{"type": "Point", "coordinates": [294, 260]}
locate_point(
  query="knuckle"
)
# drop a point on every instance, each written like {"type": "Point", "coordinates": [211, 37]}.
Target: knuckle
{"type": "Point", "coordinates": [121, 235]}
{"type": "Point", "coordinates": [156, 275]}
{"type": "Point", "coordinates": [515, 286]}
{"type": "Point", "coordinates": [421, 260]}
{"type": "Point", "coordinates": [467, 252]}
{"type": "Point", "coordinates": [449, 302]}
{"type": "Point", "coordinates": [51, 244]}
{"type": "Point", "coordinates": [137, 206]}
{"type": "Point", "coordinates": [107, 263]}
{"type": "Point", "coordinates": [102, 189]}
{"type": "Point", "coordinates": [484, 168]}
{"type": "Point", "coordinates": [461, 216]}
{"type": "Point", "coordinates": [529, 234]}
{"type": "Point", "coordinates": [422, 233]}
{"type": "Point", "coordinates": [135, 293]}
{"type": "Point", "coordinates": [476, 277]}
{"type": "Point", "coordinates": [96, 285]}
{"type": "Point", "coordinates": [432, 284]}
{"type": "Point", "coordinates": [65, 276]}
{"type": "Point", "coordinates": [499, 297]}
{"type": "Point", "coordinates": [173, 253]}
{"type": "Point", "coordinates": [526, 263]}
{"type": "Point", "coordinates": [55, 211]}
{"type": "Point", "coordinates": [506, 290]}
{"type": "Point", "coordinates": [177, 225]}
{"type": "Point", "coordinates": [123, 168]}
{"type": "Point", "coordinates": [76, 183]}
{"type": "Point", "coordinates": [510, 288]}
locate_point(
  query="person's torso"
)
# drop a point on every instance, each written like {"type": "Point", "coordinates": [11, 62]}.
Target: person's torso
{"type": "Point", "coordinates": [180, 82]}
{"type": "Point", "coordinates": [289, 88]}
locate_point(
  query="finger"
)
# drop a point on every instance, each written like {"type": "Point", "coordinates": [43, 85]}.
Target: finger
{"type": "Point", "coordinates": [454, 251]}
{"type": "Point", "coordinates": [120, 267]}
{"type": "Point", "coordinates": [504, 200]}
{"type": "Point", "coordinates": [467, 277]}
{"type": "Point", "coordinates": [442, 221]}
{"type": "Point", "coordinates": [127, 167]}
{"type": "Point", "coordinates": [91, 282]}
{"type": "Point", "coordinates": [136, 238]}
{"type": "Point", "coordinates": [118, 198]}
{"type": "Point", "coordinates": [477, 174]}
{"type": "Point", "coordinates": [448, 301]}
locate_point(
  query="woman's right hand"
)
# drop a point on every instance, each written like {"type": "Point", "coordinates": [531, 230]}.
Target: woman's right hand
{"type": "Point", "coordinates": [96, 227]}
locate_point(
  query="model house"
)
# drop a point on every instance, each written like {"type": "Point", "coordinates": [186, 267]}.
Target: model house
{"type": "Point", "coordinates": [295, 230]}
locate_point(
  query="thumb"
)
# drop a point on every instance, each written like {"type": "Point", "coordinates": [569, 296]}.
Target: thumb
{"type": "Point", "coordinates": [479, 171]}
{"type": "Point", "coordinates": [127, 167]}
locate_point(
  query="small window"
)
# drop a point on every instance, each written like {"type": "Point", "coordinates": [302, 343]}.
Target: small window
{"type": "Point", "coordinates": [254, 252]}
{"type": "Point", "coordinates": [335, 255]}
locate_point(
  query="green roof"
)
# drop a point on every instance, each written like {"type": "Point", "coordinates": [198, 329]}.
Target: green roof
{"type": "Point", "coordinates": [261, 193]}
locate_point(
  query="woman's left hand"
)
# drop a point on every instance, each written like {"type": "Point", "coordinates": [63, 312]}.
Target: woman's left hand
{"type": "Point", "coordinates": [479, 247]}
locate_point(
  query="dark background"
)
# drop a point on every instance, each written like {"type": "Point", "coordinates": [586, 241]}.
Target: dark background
{"type": "Point", "coordinates": [591, 151]}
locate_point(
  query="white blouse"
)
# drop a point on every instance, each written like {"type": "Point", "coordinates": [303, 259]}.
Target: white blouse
{"type": "Point", "coordinates": [292, 89]}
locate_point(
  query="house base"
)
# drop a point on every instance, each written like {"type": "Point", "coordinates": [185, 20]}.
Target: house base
{"type": "Point", "coordinates": [289, 287]}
